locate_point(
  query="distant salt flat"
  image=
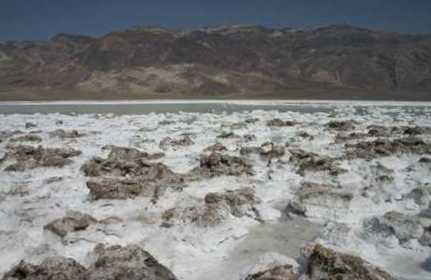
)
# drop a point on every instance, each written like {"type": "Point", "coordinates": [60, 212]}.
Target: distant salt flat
{"type": "Point", "coordinates": [233, 101]}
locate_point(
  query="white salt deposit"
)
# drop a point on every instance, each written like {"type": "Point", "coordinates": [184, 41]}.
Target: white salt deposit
{"type": "Point", "coordinates": [229, 249]}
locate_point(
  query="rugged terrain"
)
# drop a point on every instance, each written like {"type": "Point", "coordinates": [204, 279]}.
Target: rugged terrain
{"type": "Point", "coordinates": [330, 62]}
{"type": "Point", "coordinates": [337, 192]}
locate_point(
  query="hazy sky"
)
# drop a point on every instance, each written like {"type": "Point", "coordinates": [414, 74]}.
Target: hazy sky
{"type": "Point", "coordinates": [41, 19]}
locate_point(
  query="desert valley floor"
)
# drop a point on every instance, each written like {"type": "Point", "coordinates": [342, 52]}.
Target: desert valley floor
{"type": "Point", "coordinates": [219, 195]}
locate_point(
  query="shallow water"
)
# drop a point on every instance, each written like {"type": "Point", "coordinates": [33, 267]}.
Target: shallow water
{"type": "Point", "coordinates": [283, 237]}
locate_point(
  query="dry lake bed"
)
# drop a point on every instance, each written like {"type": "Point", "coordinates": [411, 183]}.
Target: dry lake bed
{"type": "Point", "coordinates": [215, 190]}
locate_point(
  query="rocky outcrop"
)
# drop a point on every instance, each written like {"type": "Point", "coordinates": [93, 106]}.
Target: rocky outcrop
{"type": "Point", "coordinates": [284, 272]}
{"type": "Point", "coordinates": [341, 125]}
{"type": "Point", "coordinates": [73, 221]}
{"type": "Point", "coordinates": [204, 216]}
{"type": "Point", "coordinates": [324, 263]}
{"type": "Point", "coordinates": [423, 163]}
{"type": "Point", "coordinates": [318, 195]}
{"type": "Point", "coordinates": [305, 135]}
{"type": "Point", "coordinates": [420, 195]}
{"type": "Point", "coordinates": [112, 263]}
{"type": "Point", "coordinates": [29, 125]}
{"type": "Point", "coordinates": [217, 207]}
{"type": "Point", "coordinates": [51, 268]}
{"type": "Point", "coordinates": [378, 131]}
{"type": "Point", "coordinates": [66, 134]}
{"type": "Point", "coordinates": [5, 134]}
{"type": "Point", "coordinates": [217, 164]}
{"type": "Point", "coordinates": [121, 161]}
{"type": "Point", "coordinates": [124, 188]}
{"type": "Point", "coordinates": [180, 142]}
{"type": "Point", "coordinates": [349, 136]}
{"type": "Point", "coordinates": [217, 147]}
{"type": "Point", "coordinates": [386, 131]}
{"type": "Point", "coordinates": [239, 201]}
{"type": "Point", "coordinates": [270, 150]}
{"type": "Point", "coordinates": [249, 150]}
{"type": "Point", "coordinates": [26, 138]}
{"type": "Point", "coordinates": [126, 263]}
{"type": "Point", "coordinates": [267, 150]}
{"type": "Point", "coordinates": [307, 161]}
{"type": "Point", "coordinates": [415, 130]}
{"type": "Point", "coordinates": [318, 263]}
{"type": "Point", "coordinates": [273, 266]}
{"type": "Point", "coordinates": [279, 123]}
{"type": "Point", "coordinates": [228, 135]}
{"type": "Point", "coordinates": [387, 147]}
{"type": "Point", "coordinates": [403, 227]}
{"type": "Point", "coordinates": [127, 173]}
{"type": "Point", "coordinates": [29, 157]}
{"type": "Point", "coordinates": [295, 207]}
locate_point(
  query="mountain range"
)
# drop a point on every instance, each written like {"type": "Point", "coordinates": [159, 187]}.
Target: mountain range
{"type": "Point", "coordinates": [235, 61]}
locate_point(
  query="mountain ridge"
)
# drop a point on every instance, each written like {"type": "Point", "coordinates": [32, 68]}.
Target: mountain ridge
{"type": "Point", "coordinates": [222, 61]}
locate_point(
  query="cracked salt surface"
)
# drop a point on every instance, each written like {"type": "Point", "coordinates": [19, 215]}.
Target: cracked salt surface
{"type": "Point", "coordinates": [31, 199]}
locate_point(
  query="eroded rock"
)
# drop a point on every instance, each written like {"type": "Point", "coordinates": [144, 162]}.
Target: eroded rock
{"type": "Point", "coordinates": [126, 263]}
{"type": "Point", "coordinates": [217, 164]}
{"type": "Point", "coordinates": [271, 150]}
{"type": "Point", "coordinates": [305, 135]}
{"type": "Point", "coordinates": [280, 123]}
{"type": "Point", "coordinates": [112, 263]}
{"type": "Point", "coordinates": [217, 207]}
{"type": "Point", "coordinates": [29, 125]}
{"type": "Point", "coordinates": [307, 161]}
{"type": "Point", "coordinates": [73, 221]}
{"type": "Point", "coordinates": [348, 136]}
{"type": "Point", "coordinates": [402, 226]}
{"type": "Point", "coordinates": [249, 137]}
{"type": "Point", "coordinates": [266, 150]}
{"type": "Point", "coordinates": [29, 157]}
{"type": "Point", "coordinates": [183, 141]}
{"type": "Point", "coordinates": [295, 207]}
{"type": "Point", "coordinates": [66, 134]}
{"type": "Point", "coordinates": [413, 130]}
{"type": "Point", "coordinates": [325, 263]}
{"type": "Point", "coordinates": [111, 220]}
{"type": "Point", "coordinates": [123, 162]}
{"type": "Point", "coordinates": [387, 131]}
{"type": "Point", "coordinates": [239, 201]}
{"type": "Point", "coordinates": [208, 215]}
{"type": "Point", "coordinates": [341, 125]}
{"type": "Point", "coordinates": [26, 138]}
{"type": "Point", "coordinates": [251, 120]}
{"type": "Point", "coordinates": [249, 150]}
{"type": "Point", "coordinates": [379, 131]}
{"type": "Point", "coordinates": [124, 188]}
{"type": "Point", "coordinates": [319, 263]}
{"type": "Point", "coordinates": [218, 147]}
{"type": "Point", "coordinates": [425, 239]}
{"type": "Point", "coordinates": [420, 195]}
{"type": "Point", "coordinates": [226, 135]}
{"type": "Point", "coordinates": [385, 147]}
{"type": "Point", "coordinates": [273, 266]}
{"type": "Point", "coordinates": [127, 173]}
{"type": "Point", "coordinates": [58, 268]}
{"type": "Point", "coordinates": [320, 195]}
{"type": "Point", "coordinates": [424, 163]}
{"type": "Point", "coordinates": [5, 134]}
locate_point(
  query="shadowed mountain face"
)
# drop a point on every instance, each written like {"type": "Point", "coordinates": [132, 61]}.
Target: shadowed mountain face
{"type": "Point", "coordinates": [221, 61]}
